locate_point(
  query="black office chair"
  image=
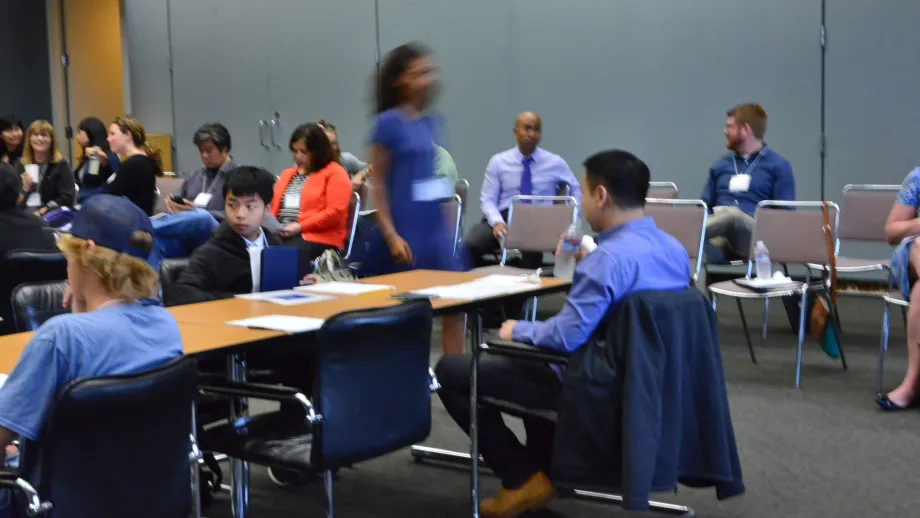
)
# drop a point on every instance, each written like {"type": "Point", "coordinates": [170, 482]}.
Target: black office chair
{"type": "Point", "coordinates": [26, 266]}
{"type": "Point", "coordinates": [170, 270]}
{"type": "Point", "coordinates": [36, 302]}
{"type": "Point", "coordinates": [371, 396]}
{"type": "Point", "coordinates": [119, 446]}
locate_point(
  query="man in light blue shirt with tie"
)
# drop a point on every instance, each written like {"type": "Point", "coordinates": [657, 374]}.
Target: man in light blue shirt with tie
{"type": "Point", "coordinates": [524, 169]}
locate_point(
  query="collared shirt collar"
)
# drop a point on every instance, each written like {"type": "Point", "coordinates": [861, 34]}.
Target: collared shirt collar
{"type": "Point", "coordinates": [520, 156]}
{"type": "Point", "coordinates": [763, 151]}
{"type": "Point", "coordinates": [643, 223]}
{"type": "Point", "coordinates": [260, 241]}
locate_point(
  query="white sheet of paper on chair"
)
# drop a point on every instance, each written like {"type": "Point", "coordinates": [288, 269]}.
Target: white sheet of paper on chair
{"type": "Point", "coordinates": [345, 288]}
{"type": "Point", "coordinates": [283, 323]}
{"type": "Point", "coordinates": [475, 290]}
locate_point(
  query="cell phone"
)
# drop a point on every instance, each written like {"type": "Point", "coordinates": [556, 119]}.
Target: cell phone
{"type": "Point", "coordinates": [177, 198]}
{"type": "Point", "coordinates": [412, 296]}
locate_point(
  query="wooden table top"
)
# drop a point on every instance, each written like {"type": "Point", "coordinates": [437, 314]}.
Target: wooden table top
{"type": "Point", "coordinates": [203, 326]}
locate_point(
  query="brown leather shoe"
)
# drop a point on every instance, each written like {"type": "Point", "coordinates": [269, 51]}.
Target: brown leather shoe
{"type": "Point", "coordinates": [534, 494]}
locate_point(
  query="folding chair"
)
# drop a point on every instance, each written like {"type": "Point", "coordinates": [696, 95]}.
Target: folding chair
{"type": "Point", "coordinates": [793, 237]}
{"type": "Point", "coordinates": [662, 190]}
{"type": "Point", "coordinates": [863, 215]}
{"type": "Point", "coordinates": [461, 189]}
{"type": "Point", "coordinates": [686, 221]}
{"type": "Point", "coordinates": [453, 213]}
{"type": "Point", "coordinates": [354, 209]}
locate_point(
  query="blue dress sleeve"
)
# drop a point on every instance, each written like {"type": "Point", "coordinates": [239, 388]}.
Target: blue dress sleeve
{"type": "Point", "coordinates": [910, 189]}
{"type": "Point", "coordinates": [31, 388]}
{"type": "Point", "coordinates": [384, 129]}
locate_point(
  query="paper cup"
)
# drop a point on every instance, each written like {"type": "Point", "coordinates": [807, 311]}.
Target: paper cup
{"type": "Point", "coordinates": [32, 171]}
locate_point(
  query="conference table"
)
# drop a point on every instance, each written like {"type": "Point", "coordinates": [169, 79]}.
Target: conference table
{"type": "Point", "coordinates": [205, 331]}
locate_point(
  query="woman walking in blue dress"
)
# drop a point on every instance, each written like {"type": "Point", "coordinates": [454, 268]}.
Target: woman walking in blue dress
{"type": "Point", "coordinates": [411, 229]}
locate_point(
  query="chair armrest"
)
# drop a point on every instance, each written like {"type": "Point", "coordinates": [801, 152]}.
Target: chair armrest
{"type": "Point", "coordinates": [12, 481]}
{"type": "Point", "coordinates": [261, 391]}
{"type": "Point", "coordinates": [524, 351]}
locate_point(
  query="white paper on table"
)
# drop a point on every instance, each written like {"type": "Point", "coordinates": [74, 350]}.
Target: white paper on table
{"type": "Point", "coordinates": [344, 288]}
{"type": "Point", "coordinates": [507, 279]}
{"type": "Point", "coordinates": [284, 323]}
{"type": "Point", "coordinates": [285, 297]}
{"type": "Point", "coordinates": [474, 290]}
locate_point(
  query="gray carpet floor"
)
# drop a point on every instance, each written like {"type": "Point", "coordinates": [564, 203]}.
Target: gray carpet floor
{"type": "Point", "coordinates": [819, 451]}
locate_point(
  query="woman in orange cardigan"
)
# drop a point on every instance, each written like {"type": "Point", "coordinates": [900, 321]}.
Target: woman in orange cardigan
{"type": "Point", "coordinates": [311, 199]}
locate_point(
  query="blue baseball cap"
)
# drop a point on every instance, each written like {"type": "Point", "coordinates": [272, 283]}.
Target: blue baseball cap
{"type": "Point", "coordinates": [110, 221]}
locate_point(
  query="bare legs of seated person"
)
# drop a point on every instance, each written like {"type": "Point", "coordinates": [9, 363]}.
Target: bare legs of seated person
{"type": "Point", "coordinates": [906, 393]}
{"type": "Point", "coordinates": [453, 333]}
{"type": "Point", "coordinates": [730, 229]}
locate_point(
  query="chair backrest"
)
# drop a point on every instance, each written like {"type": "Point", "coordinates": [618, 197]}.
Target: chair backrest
{"type": "Point", "coordinates": [26, 266]}
{"type": "Point", "coordinates": [36, 302]}
{"type": "Point", "coordinates": [354, 208]}
{"type": "Point", "coordinates": [170, 270]}
{"type": "Point", "coordinates": [453, 213]}
{"type": "Point", "coordinates": [462, 189]}
{"type": "Point", "coordinates": [864, 211]}
{"type": "Point", "coordinates": [793, 231]}
{"type": "Point", "coordinates": [662, 190]}
{"type": "Point", "coordinates": [536, 227]}
{"type": "Point", "coordinates": [686, 221]}
{"type": "Point", "coordinates": [166, 187]}
{"type": "Point", "coordinates": [372, 384]}
{"type": "Point", "coordinates": [118, 445]}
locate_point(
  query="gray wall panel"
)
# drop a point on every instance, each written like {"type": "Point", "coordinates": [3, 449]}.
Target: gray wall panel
{"type": "Point", "coordinates": [25, 89]}
{"type": "Point", "coordinates": [655, 77]}
{"type": "Point", "coordinates": [147, 35]}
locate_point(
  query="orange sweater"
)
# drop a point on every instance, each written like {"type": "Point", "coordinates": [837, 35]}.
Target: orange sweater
{"type": "Point", "coordinates": [324, 204]}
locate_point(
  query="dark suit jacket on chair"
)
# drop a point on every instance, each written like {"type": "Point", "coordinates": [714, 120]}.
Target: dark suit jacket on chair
{"type": "Point", "coordinates": [22, 230]}
{"type": "Point", "coordinates": [646, 407]}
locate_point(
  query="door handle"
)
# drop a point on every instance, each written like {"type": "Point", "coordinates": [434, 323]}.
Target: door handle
{"type": "Point", "coordinates": [262, 124]}
{"type": "Point", "coordinates": [275, 123]}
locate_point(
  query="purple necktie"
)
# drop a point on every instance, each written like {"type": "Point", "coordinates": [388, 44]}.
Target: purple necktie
{"type": "Point", "coordinates": [527, 178]}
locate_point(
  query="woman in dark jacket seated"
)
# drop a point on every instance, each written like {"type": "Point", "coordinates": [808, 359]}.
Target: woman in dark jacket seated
{"type": "Point", "coordinates": [47, 180]}
{"type": "Point", "coordinates": [91, 176]}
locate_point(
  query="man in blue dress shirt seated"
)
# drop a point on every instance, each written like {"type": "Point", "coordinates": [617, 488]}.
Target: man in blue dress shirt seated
{"type": "Point", "coordinates": [525, 169]}
{"type": "Point", "coordinates": [749, 174]}
{"type": "Point", "coordinates": [632, 255]}
{"type": "Point", "coordinates": [107, 333]}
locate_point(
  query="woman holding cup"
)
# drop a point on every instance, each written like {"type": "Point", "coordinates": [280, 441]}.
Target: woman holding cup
{"type": "Point", "coordinates": [47, 180]}
{"type": "Point", "coordinates": [97, 162]}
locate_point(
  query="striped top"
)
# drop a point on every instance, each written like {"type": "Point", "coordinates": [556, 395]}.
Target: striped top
{"type": "Point", "coordinates": [288, 215]}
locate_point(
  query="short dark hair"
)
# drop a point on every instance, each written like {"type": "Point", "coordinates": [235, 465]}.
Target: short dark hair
{"type": "Point", "coordinates": [624, 175]}
{"type": "Point", "coordinates": [213, 132]}
{"type": "Point", "coordinates": [318, 145]}
{"type": "Point", "coordinates": [752, 114]}
{"type": "Point", "coordinates": [10, 185]}
{"type": "Point", "coordinates": [249, 180]}
{"type": "Point", "coordinates": [394, 65]}
{"type": "Point", "coordinates": [10, 121]}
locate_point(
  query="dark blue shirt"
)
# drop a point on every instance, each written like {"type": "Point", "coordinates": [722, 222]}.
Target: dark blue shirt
{"type": "Point", "coordinates": [771, 179]}
{"type": "Point", "coordinates": [632, 257]}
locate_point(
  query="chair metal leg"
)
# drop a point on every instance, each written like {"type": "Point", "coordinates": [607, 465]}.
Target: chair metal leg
{"type": "Point", "coordinates": [766, 316]}
{"type": "Point", "coordinates": [714, 299]}
{"type": "Point", "coordinates": [798, 359]}
{"type": "Point", "coordinates": [474, 413]}
{"type": "Point", "coordinates": [533, 317]}
{"type": "Point", "coordinates": [904, 315]}
{"type": "Point", "coordinates": [239, 469]}
{"type": "Point", "coordinates": [327, 479]}
{"type": "Point", "coordinates": [747, 334]}
{"type": "Point", "coordinates": [195, 467]}
{"type": "Point", "coordinates": [883, 348]}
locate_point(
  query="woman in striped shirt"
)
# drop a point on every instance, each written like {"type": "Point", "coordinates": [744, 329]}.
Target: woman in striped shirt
{"type": "Point", "coordinates": [311, 199]}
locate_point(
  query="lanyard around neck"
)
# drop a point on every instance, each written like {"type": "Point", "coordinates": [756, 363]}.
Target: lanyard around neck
{"type": "Point", "coordinates": [752, 164]}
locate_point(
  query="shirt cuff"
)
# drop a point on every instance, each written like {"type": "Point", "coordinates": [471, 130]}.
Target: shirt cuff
{"type": "Point", "coordinates": [522, 332]}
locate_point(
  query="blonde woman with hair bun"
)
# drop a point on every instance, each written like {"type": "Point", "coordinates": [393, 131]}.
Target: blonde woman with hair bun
{"type": "Point", "coordinates": [137, 176]}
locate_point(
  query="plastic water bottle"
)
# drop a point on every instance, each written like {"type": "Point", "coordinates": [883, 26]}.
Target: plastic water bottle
{"type": "Point", "coordinates": [93, 166]}
{"type": "Point", "coordinates": [762, 261]}
{"type": "Point", "coordinates": [565, 262]}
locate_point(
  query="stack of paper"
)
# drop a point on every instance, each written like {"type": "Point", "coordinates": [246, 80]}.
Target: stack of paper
{"type": "Point", "coordinates": [284, 323]}
{"type": "Point", "coordinates": [475, 290]}
{"type": "Point", "coordinates": [345, 288]}
{"type": "Point", "coordinates": [285, 297]}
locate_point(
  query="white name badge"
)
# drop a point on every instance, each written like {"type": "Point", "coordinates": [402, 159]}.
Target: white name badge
{"type": "Point", "coordinates": [432, 190]}
{"type": "Point", "coordinates": [255, 268]}
{"type": "Point", "coordinates": [740, 183]}
{"type": "Point", "coordinates": [202, 200]}
{"type": "Point", "coordinates": [34, 200]}
{"type": "Point", "coordinates": [291, 201]}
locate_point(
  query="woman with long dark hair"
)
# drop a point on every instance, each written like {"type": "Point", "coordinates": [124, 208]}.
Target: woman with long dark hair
{"type": "Point", "coordinates": [91, 176]}
{"type": "Point", "coordinates": [11, 132]}
{"type": "Point", "coordinates": [412, 232]}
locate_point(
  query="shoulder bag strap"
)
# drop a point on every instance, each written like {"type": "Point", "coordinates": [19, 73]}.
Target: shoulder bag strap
{"type": "Point", "coordinates": [831, 256]}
